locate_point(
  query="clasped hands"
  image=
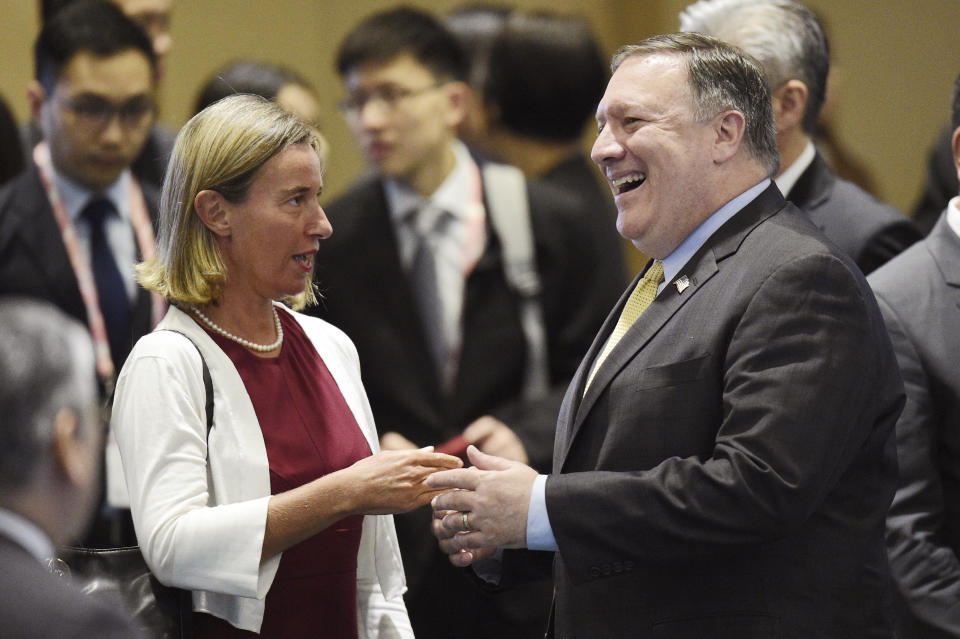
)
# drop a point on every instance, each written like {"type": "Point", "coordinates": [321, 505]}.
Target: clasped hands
{"type": "Point", "coordinates": [487, 508]}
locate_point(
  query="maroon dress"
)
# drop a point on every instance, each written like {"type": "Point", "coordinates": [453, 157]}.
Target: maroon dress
{"type": "Point", "coordinates": [309, 431]}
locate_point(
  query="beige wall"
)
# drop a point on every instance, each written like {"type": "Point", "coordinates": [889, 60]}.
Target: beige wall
{"type": "Point", "coordinates": [895, 63]}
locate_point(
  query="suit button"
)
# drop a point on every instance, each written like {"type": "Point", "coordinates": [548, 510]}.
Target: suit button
{"type": "Point", "coordinates": [617, 567]}
{"type": "Point", "coordinates": [606, 569]}
{"type": "Point", "coordinates": [594, 572]}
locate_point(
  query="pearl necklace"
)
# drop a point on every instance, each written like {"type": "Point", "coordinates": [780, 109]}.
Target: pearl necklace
{"type": "Point", "coordinates": [261, 348]}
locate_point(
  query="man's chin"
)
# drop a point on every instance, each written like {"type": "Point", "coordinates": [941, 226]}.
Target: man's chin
{"type": "Point", "coordinates": [99, 180]}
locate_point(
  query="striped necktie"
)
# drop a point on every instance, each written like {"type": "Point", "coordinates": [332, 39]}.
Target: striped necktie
{"type": "Point", "coordinates": [641, 297]}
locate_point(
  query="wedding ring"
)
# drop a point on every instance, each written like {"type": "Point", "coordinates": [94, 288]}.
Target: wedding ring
{"type": "Point", "coordinates": [464, 522]}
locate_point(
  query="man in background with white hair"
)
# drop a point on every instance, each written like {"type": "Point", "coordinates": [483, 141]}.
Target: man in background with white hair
{"type": "Point", "coordinates": [788, 40]}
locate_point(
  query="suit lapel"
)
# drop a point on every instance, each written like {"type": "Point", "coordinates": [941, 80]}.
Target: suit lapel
{"type": "Point", "coordinates": [814, 187]}
{"type": "Point", "coordinates": [569, 409]}
{"type": "Point", "coordinates": [666, 304]}
{"type": "Point", "coordinates": [704, 264]}
{"type": "Point", "coordinates": [945, 248]}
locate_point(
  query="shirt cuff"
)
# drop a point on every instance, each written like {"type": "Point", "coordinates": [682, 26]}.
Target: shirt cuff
{"type": "Point", "coordinates": [539, 532]}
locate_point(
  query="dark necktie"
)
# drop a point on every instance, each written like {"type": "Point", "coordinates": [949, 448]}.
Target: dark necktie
{"type": "Point", "coordinates": [111, 292]}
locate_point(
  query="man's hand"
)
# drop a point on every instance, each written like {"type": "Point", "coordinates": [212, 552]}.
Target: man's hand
{"type": "Point", "coordinates": [449, 546]}
{"type": "Point", "coordinates": [494, 437]}
{"type": "Point", "coordinates": [493, 499]}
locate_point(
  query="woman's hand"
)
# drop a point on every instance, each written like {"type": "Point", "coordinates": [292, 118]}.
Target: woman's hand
{"type": "Point", "coordinates": [393, 481]}
{"type": "Point", "coordinates": [386, 483]}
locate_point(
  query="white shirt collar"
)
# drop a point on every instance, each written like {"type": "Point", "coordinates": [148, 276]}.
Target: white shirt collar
{"type": "Point", "coordinates": [74, 197]}
{"type": "Point", "coordinates": [451, 196]}
{"type": "Point", "coordinates": [788, 179]}
{"type": "Point", "coordinates": [27, 534]}
{"type": "Point", "coordinates": [953, 215]}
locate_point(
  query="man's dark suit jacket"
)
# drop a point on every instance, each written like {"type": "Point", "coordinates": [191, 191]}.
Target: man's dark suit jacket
{"type": "Point", "coordinates": [919, 294]}
{"type": "Point", "coordinates": [728, 472]}
{"type": "Point", "coordinates": [33, 259]}
{"type": "Point", "coordinates": [34, 604]}
{"type": "Point", "coordinates": [367, 294]}
{"type": "Point", "coordinates": [864, 228]}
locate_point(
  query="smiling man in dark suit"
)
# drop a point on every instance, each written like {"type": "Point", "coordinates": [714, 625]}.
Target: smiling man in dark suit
{"type": "Point", "coordinates": [723, 460]}
{"type": "Point", "coordinates": [790, 43]}
{"type": "Point", "coordinates": [919, 295]}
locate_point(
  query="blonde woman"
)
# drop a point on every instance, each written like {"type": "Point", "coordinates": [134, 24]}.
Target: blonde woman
{"type": "Point", "coordinates": [273, 516]}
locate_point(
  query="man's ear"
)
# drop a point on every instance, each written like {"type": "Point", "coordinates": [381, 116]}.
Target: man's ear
{"type": "Point", "coordinates": [36, 97]}
{"type": "Point", "coordinates": [213, 211]}
{"type": "Point", "coordinates": [789, 105]}
{"type": "Point", "coordinates": [729, 129]}
{"type": "Point", "coordinates": [458, 102]}
{"type": "Point", "coordinates": [69, 454]}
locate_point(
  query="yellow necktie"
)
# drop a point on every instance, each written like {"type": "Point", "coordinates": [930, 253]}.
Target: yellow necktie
{"type": "Point", "coordinates": [637, 303]}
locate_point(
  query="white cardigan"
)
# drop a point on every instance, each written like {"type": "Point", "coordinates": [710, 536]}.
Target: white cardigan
{"type": "Point", "coordinates": [202, 527]}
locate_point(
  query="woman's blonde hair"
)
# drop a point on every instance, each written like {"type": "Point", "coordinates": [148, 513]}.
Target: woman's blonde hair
{"type": "Point", "coordinates": [222, 149]}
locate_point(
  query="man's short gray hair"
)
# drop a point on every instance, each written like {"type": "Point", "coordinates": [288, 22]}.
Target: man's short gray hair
{"type": "Point", "coordinates": [46, 364]}
{"type": "Point", "coordinates": [783, 35]}
{"type": "Point", "coordinates": [721, 78]}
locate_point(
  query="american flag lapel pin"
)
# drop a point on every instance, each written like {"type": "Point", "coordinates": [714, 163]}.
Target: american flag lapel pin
{"type": "Point", "coordinates": [682, 283]}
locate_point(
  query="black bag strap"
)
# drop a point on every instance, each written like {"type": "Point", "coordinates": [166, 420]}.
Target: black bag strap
{"type": "Point", "coordinates": [207, 382]}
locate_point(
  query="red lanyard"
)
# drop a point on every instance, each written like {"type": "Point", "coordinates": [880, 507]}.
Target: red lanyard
{"type": "Point", "coordinates": [143, 230]}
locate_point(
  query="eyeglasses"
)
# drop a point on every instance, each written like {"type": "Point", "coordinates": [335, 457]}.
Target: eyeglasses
{"type": "Point", "coordinates": [388, 97]}
{"type": "Point", "coordinates": [96, 113]}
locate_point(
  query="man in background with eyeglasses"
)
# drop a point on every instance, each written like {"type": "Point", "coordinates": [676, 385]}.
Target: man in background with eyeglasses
{"type": "Point", "coordinates": [415, 275]}
{"type": "Point", "coordinates": [74, 223]}
{"type": "Point", "coordinates": [154, 17]}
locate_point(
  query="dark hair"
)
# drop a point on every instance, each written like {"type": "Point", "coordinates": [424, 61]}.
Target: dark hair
{"type": "Point", "coordinates": [546, 75]}
{"type": "Point", "coordinates": [721, 77]}
{"type": "Point", "coordinates": [11, 155]}
{"type": "Point", "coordinates": [49, 7]}
{"type": "Point", "coordinates": [247, 76]}
{"type": "Point", "coordinates": [95, 26]}
{"type": "Point", "coordinates": [385, 35]}
{"type": "Point", "coordinates": [46, 364]}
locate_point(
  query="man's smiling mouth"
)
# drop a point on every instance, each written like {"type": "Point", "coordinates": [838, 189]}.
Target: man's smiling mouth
{"type": "Point", "coordinates": [628, 182]}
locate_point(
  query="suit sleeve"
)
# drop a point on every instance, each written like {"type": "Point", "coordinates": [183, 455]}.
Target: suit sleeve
{"type": "Point", "coordinates": [801, 371]}
{"type": "Point", "coordinates": [926, 570]}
